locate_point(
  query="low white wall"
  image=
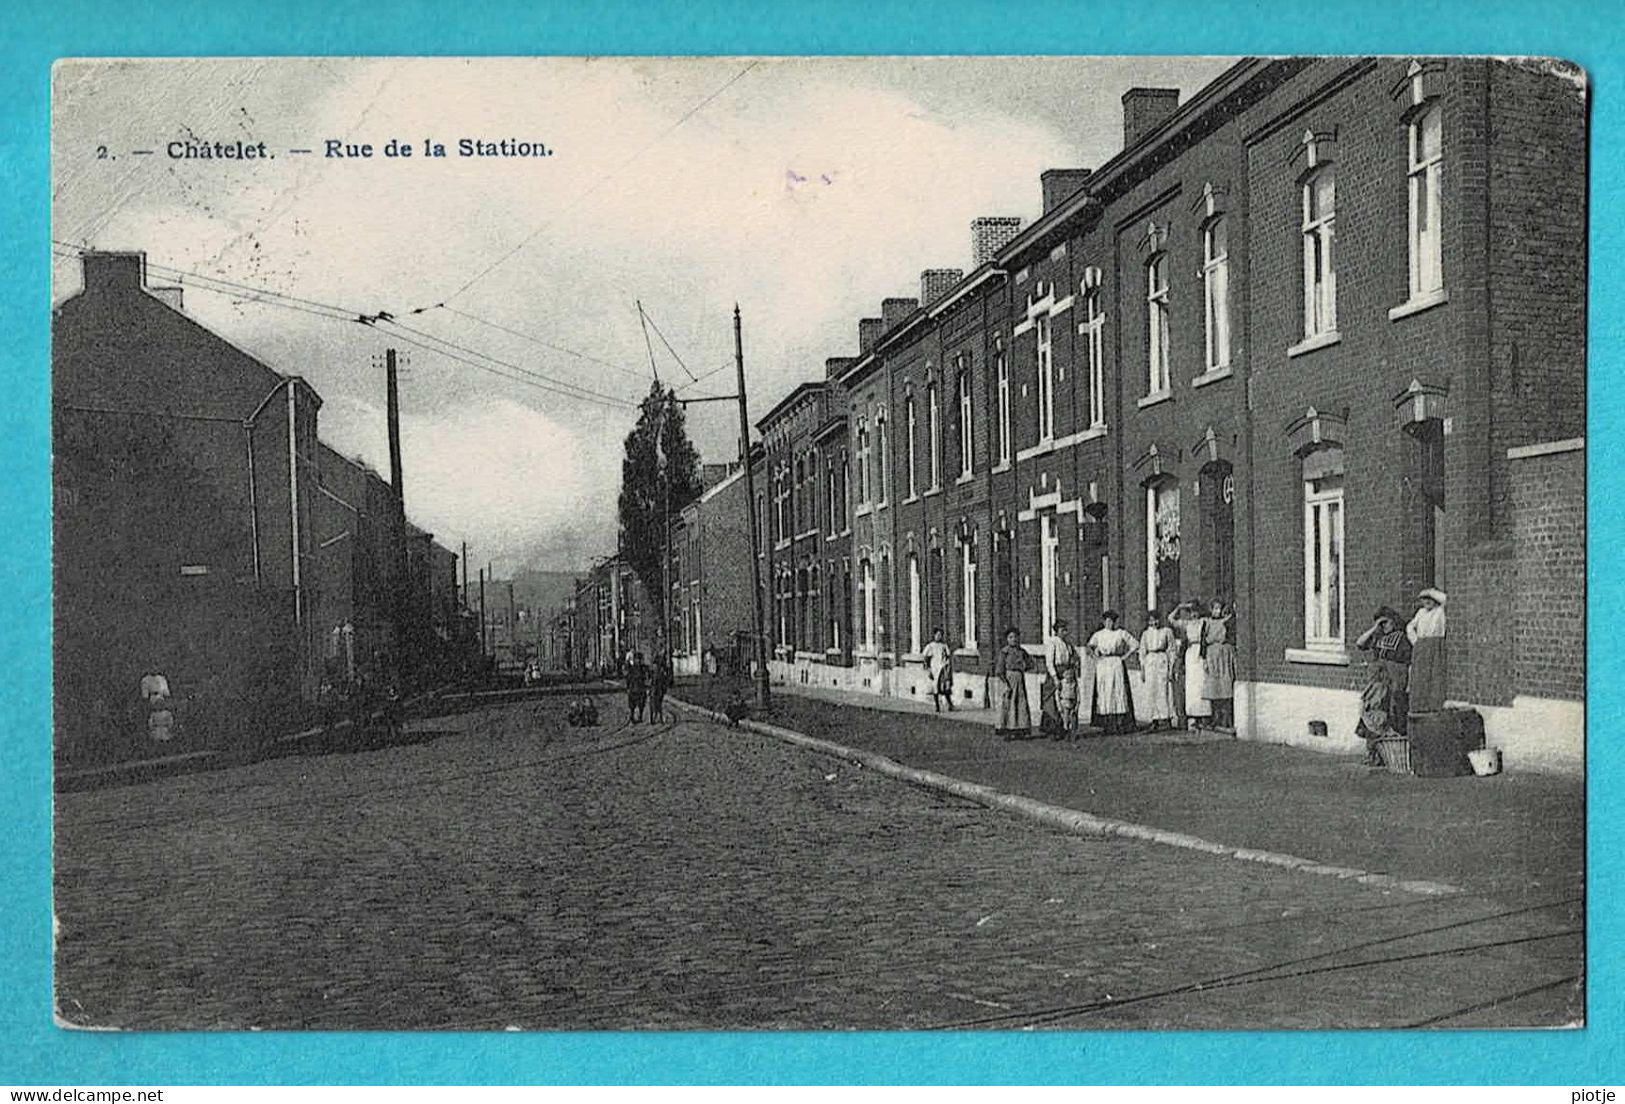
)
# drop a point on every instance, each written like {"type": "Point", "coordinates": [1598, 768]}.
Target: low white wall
{"type": "Point", "coordinates": [1536, 734]}
{"type": "Point", "coordinates": [1279, 713]}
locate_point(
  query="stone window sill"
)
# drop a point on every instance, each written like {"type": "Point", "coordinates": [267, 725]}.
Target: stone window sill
{"type": "Point", "coordinates": [1154, 398]}
{"type": "Point", "coordinates": [967, 477]}
{"type": "Point", "coordinates": [1322, 657]}
{"type": "Point", "coordinates": [1419, 303]}
{"type": "Point", "coordinates": [1001, 466]}
{"type": "Point", "coordinates": [1318, 341]}
{"type": "Point", "coordinates": [1213, 375]}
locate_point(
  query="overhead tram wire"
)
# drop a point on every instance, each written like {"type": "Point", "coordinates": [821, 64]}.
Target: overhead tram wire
{"type": "Point", "coordinates": [600, 182]}
{"type": "Point", "coordinates": [643, 321]}
{"type": "Point", "coordinates": [529, 337]}
{"type": "Point", "coordinates": [667, 344]}
{"type": "Point", "coordinates": [334, 313]}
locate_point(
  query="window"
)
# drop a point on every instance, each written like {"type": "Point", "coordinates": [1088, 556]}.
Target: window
{"type": "Point", "coordinates": [845, 489]}
{"type": "Point", "coordinates": [914, 642]}
{"type": "Point", "coordinates": [1048, 561]}
{"type": "Point", "coordinates": [965, 444]}
{"type": "Point", "coordinates": [1161, 543]}
{"type": "Point", "coordinates": [884, 465]}
{"type": "Point", "coordinates": [1094, 324]}
{"type": "Point", "coordinates": [1046, 378]}
{"type": "Point", "coordinates": [867, 582]}
{"type": "Point", "coordinates": [912, 420]}
{"type": "Point", "coordinates": [831, 483]}
{"type": "Point", "coordinates": [863, 463]}
{"type": "Point", "coordinates": [1159, 379]}
{"type": "Point", "coordinates": [1319, 273]}
{"type": "Point", "coordinates": [1323, 558]}
{"type": "Point", "coordinates": [1004, 404]}
{"type": "Point", "coordinates": [967, 582]}
{"type": "Point", "coordinates": [1216, 291]}
{"type": "Point", "coordinates": [934, 429]}
{"type": "Point", "coordinates": [1426, 157]}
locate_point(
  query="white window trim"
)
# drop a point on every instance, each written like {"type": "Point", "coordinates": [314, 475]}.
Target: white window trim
{"type": "Point", "coordinates": [967, 437]}
{"type": "Point", "coordinates": [1425, 173]}
{"type": "Point", "coordinates": [1158, 353]}
{"type": "Point", "coordinates": [967, 582]}
{"type": "Point", "coordinates": [1212, 268]}
{"type": "Point", "coordinates": [1004, 407]}
{"type": "Point", "coordinates": [912, 417]}
{"type": "Point", "coordinates": [1312, 614]}
{"type": "Point", "coordinates": [1045, 376]}
{"type": "Point", "coordinates": [1318, 322]}
{"type": "Point", "coordinates": [1093, 327]}
{"type": "Point", "coordinates": [934, 430]}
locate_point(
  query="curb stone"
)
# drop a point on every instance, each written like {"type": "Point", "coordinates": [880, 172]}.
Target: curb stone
{"type": "Point", "coordinates": [1070, 820]}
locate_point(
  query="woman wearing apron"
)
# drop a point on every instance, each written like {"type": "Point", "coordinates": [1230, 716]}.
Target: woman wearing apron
{"type": "Point", "coordinates": [1187, 618]}
{"type": "Point", "coordinates": [1219, 666]}
{"type": "Point", "coordinates": [1156, 647]}
{"type": "Point", "coordinates": [1011, 666]}
{"type": "Point", "coordinates": [1426, 634]}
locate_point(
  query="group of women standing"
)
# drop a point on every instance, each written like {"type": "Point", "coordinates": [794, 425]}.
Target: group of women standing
{"type": "Point", "coordinates": [1100, 670]}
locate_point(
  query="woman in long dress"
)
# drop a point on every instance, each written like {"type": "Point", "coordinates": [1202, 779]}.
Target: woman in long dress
{"type": "Point", "coordinates": [1113, 708]}
{"type": "Point", "coordinates": [1156, 663]}
{"type": "Point", "coordinates": [1187, 618]}
{"type": "Point", "coordinates": [1384, 701]}
{"type": "Point", "coordinates": [1219, 666]}
{"type": "Point", "coordinates": [1426, 634]}
{"type": "Point", "coordinates": [1061, 660]}
{"type": "Point", "coordinates": [1011, 667]}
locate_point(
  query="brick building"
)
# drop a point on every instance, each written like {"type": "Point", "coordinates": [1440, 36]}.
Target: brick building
{"type": "Point", "coordinates": [201, 531]}
{"type": "Point", "coordinates": [1310, 342]}
{"type": "Point", "coordinates": [712, 600]}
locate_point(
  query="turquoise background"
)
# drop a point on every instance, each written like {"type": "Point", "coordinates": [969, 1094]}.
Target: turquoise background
{"type": "Point", "coordinates": [34, 1052]}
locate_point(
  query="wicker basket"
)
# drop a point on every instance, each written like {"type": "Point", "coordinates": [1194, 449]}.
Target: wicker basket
{"type": "Point", "coordinates": [1395, 753]}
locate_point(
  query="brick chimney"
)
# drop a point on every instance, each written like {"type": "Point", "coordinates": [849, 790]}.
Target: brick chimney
{"type": "Point", "coordinates": [1060, 185]}
{"type": "Point", "coordinates": [113, 271]}
{"type": "Point", "coordinates": [893, 311]}
{"type": "Point", "coordinates": [869, 331]}
{"type": "Point", "coordinates": [1143, 109]}
{"type": "Point", "coordinates": [835, 367]}
{"type": "Point", "coordinates": [937, 282]}
{"type": "Point", "coordinates": [990, 234]}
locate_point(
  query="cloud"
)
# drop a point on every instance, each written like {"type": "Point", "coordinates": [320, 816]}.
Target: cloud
{"type": "Point", "coordinates": [805, 190]}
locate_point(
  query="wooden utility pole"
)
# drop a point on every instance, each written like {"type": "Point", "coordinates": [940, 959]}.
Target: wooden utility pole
{"type": "Point", "coordinates": [763, 694]}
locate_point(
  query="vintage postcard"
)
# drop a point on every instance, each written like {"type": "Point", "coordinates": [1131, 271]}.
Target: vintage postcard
{"type": "Point", "coordinates": [1074, 543]}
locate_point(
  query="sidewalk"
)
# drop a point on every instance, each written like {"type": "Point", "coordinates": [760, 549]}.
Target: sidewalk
{"type": "Point", "coordinates": [1513, 836]}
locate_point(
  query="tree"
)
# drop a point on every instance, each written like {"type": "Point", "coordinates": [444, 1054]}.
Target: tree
{"type": "Point", "coordinates": [660, 461]}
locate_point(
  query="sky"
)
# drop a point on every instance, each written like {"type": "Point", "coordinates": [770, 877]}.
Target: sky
{"type": "Point", "coordinates": [804, 190]}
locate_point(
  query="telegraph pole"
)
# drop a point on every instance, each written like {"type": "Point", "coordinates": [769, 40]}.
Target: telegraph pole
{"type": "Point", "coordinates": [762, 693]}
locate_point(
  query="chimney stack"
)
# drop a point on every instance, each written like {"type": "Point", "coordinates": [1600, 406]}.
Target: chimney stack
{"type": "Point", "coordinates": [1061, 185]}
{"type": "Point", "coordinates": [990, 234]}
{"type": "Point", "coordinates": [1144, 109]}
{"type": "Point", "coordinates": [893, 311]}
{"type": "Point", "coordinates": [393, 414]}
{"type": "Point", "coordinates": [937, 282]}
{"type": "Point", "coordinates": [869, 331]}
{"type": "Point", "coordinates": [836, 367]}
{"type": "Point", "coordinates": [113, 271]}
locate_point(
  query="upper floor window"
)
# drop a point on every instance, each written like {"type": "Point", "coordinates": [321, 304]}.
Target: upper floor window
{"type": "Point", "coordinates": [884, 458]}
{"type": "Point", "coordinates": [1159, 379]}
{"type": "Point", "coordinates": [1426, 159]}
{"type": "Point", "coordinates": [1094, 325]}
{"type": "Point", "coordinates": [934, 431]}
{"type": "Point", "coordinates": [965, 443]}
{"type": "Point", "coordinates": [1319, 273]}
{"type": "Point", "coordinates": [1216, 290]}
{"type": "Point", "coordinates": [1004, 404]}
{"type": "Point", "coordinates": [863, 463]}
{"type": "Point", "coordinates": [1046, 377]}
{"type": "Point", "coordinates": [910, 417]}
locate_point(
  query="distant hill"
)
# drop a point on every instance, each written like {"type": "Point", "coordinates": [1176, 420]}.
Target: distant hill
{"type": "Point", "coordinates": [546, 591]}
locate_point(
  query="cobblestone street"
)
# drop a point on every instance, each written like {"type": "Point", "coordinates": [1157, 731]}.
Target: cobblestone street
{"type": "Point", "coordinates": [501, 870]}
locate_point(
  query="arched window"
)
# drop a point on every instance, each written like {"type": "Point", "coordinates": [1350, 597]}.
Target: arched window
{"type": "Point", "coordinates": [934, 430]}
{"type": "Point", "coordinates": [1003, 368]}
{"type": "Point", "coordinates": [911, 421]}
{"type": "Point", "coordinates": [1323, 592]}
{"type": "Point", "coordinates": [1161, 542]}
{"type": "Point", "coordinates": [1045, 377]}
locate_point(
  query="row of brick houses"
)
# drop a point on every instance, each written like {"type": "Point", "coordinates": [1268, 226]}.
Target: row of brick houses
{"type": "Point", "coordinates": [1312, 341]}
{"type": "Point", "coordinates": [204, 533]}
